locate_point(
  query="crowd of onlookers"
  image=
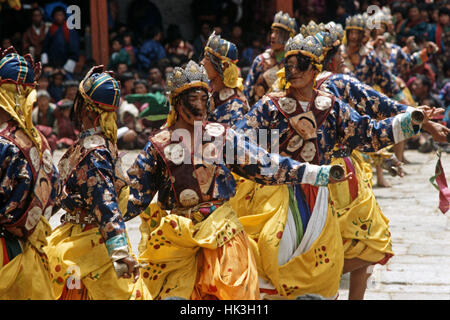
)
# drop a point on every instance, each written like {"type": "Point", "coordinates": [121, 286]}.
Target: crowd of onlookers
{"type": "Point", "coordinates": [143, 53]}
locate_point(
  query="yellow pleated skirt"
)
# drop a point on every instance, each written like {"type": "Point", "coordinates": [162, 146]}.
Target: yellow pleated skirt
{"type": "Point", "coordinates": [27, 276]}
{"type": "Point", "coordinates": [364, 228]}
{"type": "Point", "coordinates": [208, 260]}
{"type": "Point", "coordinates": [263, 211]}
{"type": "Point", "coordinates": [82, 269]}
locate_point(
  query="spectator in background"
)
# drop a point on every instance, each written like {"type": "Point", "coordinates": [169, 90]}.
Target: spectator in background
{"type": "Point", "coordinates": [61, 48]}
{"type": "Point", "coordinates": [70, 90]}
{"type": "Point", "coordinates": [129, 47]}
{"type": "Point", "coordinates": [155, 77]}
{"type": "Point", "coordinates": [43, 82]}
{"type": "Point", "coordinates": [151, 50]}
{"type": "Point", "coordinates": [178, 50]}
{"type": "Point", "coordinates": [33, 38]}
{"type": "Point", "coordinates": [64, 129]}
{"type": "Point", "coordinates": [436, 30]}
{"type": "Point", "coordinates": [420, 88]}
{"type": "Point", "coordinates": [118, 55]}
{"type": "Point", "coordinates": [251, 52]}
{"type": "Point", "coordinates": [439, 33]}
{"type": "Point", "coordinates": [56, 86]}
{"type": "Point", "coordinates": [414, 25]}
{"type": "Point", "coordinates": [126, 83]}
{"type": "Point", "coordinates": [399, 16]}
{"type": "Point", "coordinates": [140, 88]}
{"type": "Point", "coordinates": [43, 117]}
{"type": "Point", "coordinates": [201, 39]}
{"type": "Point", "coordinates": [126, 132]}
{"type": "Point", "coordinates": [121, 69]}
{"type": "Point", "coordinates": [236, 37]}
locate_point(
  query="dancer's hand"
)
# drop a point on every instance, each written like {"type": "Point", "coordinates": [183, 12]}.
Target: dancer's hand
{"type": "Point", "coordinates": [133, 268]}
{"type": "Point", "coordinates": [439, 132]}
{"type": "Point", "coordinates": [429, 112]}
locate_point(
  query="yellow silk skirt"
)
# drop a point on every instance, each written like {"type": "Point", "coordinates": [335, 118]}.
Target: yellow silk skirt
{"type": "Point", "coordinates": [263, 211]}
{"type": "Point", "coordinates": [208, 260]}
{"type": "Point", "coordinates": [27, 276]}
{"type": "Point", "coordinates": [364, 228]}
{"type": "Point", "coordinates": [79, 260]}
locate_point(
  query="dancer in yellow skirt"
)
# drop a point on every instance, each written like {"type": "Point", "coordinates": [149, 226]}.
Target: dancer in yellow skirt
{"type": "Point", "coordinates": [199, 249]}
{"type": "Point", "coordinates": [90, 254]}
{"type": "Point", "coordinates": [308, 256]}
{"type": "Point", "coordinates": [28, 184]}
{"type": "Point", "coordinates": [363, 226]}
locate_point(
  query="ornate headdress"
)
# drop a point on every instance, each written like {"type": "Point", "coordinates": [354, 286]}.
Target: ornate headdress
{"type": "Point", "coordinates": [334, 37]}
{"type": "Point", "coordinates": [193, 76]}
{"type": "Point", "coordinates": [18, 77]}
{"type": "Point", "coordinates": [309, 46]}
{"type": "Point", "coordinates": [226, 52]}
{"type": "Point", "coordinates": [311, 28]}
{"type": "Point", "coordinates": [100, 93]}
{"type": "Point", "coordinates": [382, 16]}
{"type": "Point", "coordinates": [355, 22]}
{"type": "Point", "coordinates": [285, 22]}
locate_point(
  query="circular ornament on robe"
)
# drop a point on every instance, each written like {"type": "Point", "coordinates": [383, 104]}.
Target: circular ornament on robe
{"type": "Point", "coordinates": [93, 142]}
{"type": "Point", "coordinates": [288, 105]}
{"type": "Point", "coordinates": [48, 212]}
{"type": "Point", "coordinates": [189, 198]}
{"type": "Point", "coordinates": [214, 129]}
{"type": "Point", "coordinates": [308, 152]}
{"type": "Point", "coordinates": [175, 153]}
{"type": "Point", "coordinates": [35, 158]}
{"type": "Point", "coordinates": [47, 161]}
{"type": "Point", "coordinates": [33, 218]}
{"type": "Point", "coordinates": [225, 93]}
{"type": "Point", "coordinates": [323, 103]}
{"type": "Point", "coordinates": [163, 137]}
{"type": "Point", "coordinates": [295, 143]}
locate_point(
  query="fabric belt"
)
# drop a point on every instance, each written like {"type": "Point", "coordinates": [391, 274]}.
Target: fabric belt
{"type": "Point", "coordinates": [78, 217]}
{"type": "Point", "coordinates": [343, 152]}
{"type": "Point", "coordinates": [199, 212]}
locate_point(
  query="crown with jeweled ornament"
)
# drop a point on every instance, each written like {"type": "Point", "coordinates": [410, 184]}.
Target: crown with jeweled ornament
{"type": "Point", "coordinates": [284, 21]}
{"type": "Point", "coordinates": [193, 75]}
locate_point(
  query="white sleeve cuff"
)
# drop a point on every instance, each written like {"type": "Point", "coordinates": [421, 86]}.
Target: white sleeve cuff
{"type": "Point", "coordinates": [316, 175]}
{"type": "Point", "coordinates": [402, 127]}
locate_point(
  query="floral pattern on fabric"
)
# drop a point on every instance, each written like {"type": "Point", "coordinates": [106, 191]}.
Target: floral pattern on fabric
{"type": "Point", "coordinates": [371, 71]}
{"type": "Point", "coordinates": [343, 125]}
{"type": "Point", "coordinates": [93, 185]}
{"type": "Point", "coordinates": [361, 97]}
{"type": "Point", "coordinates": [150, 174]}
{"type": "Point", "coordinates": [230, 107]}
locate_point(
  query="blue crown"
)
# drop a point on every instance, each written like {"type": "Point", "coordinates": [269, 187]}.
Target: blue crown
{"type": "Point", "coordinates": [16, 69]}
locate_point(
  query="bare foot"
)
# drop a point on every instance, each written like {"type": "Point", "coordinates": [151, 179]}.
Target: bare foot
{"type": "Point", "coordinates": [381, 181]}
{"type": "Point", "coordinates": [383, 184]}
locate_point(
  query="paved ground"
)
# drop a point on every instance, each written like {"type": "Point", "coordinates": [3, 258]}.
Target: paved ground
{"type": "Point", "coordinates": [420, 233]}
